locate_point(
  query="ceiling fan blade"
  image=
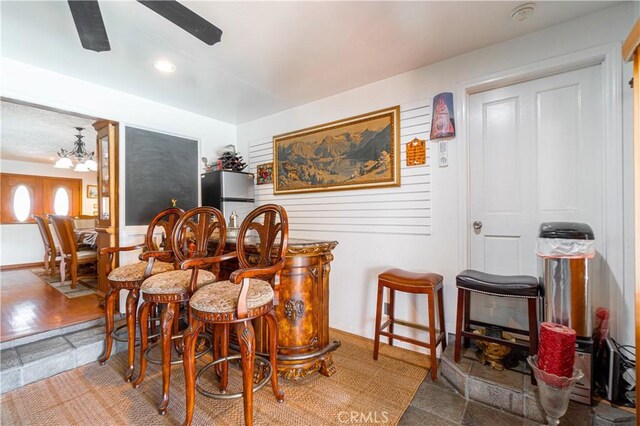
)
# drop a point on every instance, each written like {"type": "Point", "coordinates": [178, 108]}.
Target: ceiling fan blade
{"type": "Point", "coordinates": [90, 26]}
{"type": "Point", "coordinates": [189, 21]}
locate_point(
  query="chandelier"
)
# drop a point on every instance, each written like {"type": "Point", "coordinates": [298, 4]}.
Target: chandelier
{"type": "Point", "coordinates": [83, 159]}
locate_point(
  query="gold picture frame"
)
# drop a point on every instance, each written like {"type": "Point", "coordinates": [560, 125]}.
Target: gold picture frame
{"type": "Point", "coordinates": [353, 153]}
{"type": "Point", "coordinates": [92, 191]}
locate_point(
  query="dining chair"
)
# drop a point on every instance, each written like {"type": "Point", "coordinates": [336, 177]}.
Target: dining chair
{"type": "Point", "coordinates": [130, 277]}
{"type": "Point", "coordinates": [83, 221]}
{"type": "Point", "coordinates": [51, 252]}
{"type": "Point", "coordinates": [250, 293]}
{"type": "Point", "coordinates": [190, 240]}
{"type": "Point", "coordinates": [71, 257]}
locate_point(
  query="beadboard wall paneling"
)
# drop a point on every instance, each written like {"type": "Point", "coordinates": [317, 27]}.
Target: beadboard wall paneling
{"type": "Point", "coordinates": [394, 210]}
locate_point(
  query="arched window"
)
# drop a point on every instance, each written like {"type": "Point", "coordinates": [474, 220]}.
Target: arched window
{"type": "Point", "coordinates": [21, 203]}
{"type": "Point", "coordinates": [61, 202]}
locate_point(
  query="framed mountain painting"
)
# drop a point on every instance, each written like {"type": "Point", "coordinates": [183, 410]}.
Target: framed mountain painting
{"type": "Point", "coordinates": [353, 153]}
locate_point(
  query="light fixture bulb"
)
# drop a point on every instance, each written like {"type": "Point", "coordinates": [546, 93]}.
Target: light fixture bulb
{"type": "Point", "coordinates": [164, 66]}
{"type": "Point", "coordinates": [63, 163]}
{"type": "Point", "coordinates": [91, 165]}
{"type": "Point", "coordinates": [81, 167]}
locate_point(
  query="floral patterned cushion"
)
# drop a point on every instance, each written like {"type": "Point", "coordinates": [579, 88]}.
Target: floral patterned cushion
{"type": "Point", "coordinates": [135, 271]}
{"type": "Point", "coordinates": [174, 282]}
{"type": "Point", "coordinates": [222, 296]}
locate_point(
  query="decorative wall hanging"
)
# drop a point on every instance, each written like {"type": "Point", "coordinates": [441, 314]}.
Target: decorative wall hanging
{"type": "Point", "coordinates": [92, 191]}
{"type": "Point", "coordinates": [354, 153]}
{"type": "Point", "coordinates": [442, 120]}
{"type": "Point", "coordinates": [416, 152]}
{"type": "Point", "coordinates": [264, 173]}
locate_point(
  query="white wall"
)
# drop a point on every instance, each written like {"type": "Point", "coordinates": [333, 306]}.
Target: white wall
{"type": "Point", "coordinates": [27, 83]}
{"type": "Point", "coordinates": [21, 243]}
{"type": "Point", "coordinates": [360, 256]}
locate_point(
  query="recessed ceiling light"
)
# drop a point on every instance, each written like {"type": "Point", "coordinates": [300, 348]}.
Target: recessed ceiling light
{"type": "Point", "coordinates": [164, 66]}
{"type": "Point", "coordinates": [523, 12]}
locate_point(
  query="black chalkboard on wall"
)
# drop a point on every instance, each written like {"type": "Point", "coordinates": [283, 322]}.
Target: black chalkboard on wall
{"type": "Point", "coordinates": [158, 168]}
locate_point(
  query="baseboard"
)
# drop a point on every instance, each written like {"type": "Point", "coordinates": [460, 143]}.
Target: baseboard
{"type": "Point", "coordinates": [21, 266]}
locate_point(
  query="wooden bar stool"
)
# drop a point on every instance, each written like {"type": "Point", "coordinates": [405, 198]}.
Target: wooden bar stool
{"type": "Point", "coordinates": [130, 277]}
{"type": "Point", "coordinates": [518, 286]}
{"type": "Point", "coordinates": [250, 292]}
{"type": "Point", "coordinates": [190, 240]}
{"type": "Point", "coordinates": [417, 283]}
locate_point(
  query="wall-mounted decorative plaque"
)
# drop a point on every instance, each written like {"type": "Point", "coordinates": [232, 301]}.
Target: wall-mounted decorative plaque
{"type": "Point", "coordinates": [264, 173]}
{"type": "Point", "coordinates": [416, 152]}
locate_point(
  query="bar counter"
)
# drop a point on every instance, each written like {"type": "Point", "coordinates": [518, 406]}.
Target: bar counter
{"type": "Point", "coordinates": [304, 346]}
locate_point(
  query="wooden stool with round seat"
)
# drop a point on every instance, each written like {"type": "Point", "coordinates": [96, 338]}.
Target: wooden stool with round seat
{"type": "Point", "coordinates": [416, 283]}
{"type": "Point", "coordinates": [190, 240]}
{"type": "Point", "coordinates": [130, 277]}
{"type": "Point", "coordinates": [250, 292]}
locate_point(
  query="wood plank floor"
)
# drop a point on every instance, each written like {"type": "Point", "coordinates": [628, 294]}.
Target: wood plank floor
{"type": "Point", "coordinates": [28, 305]}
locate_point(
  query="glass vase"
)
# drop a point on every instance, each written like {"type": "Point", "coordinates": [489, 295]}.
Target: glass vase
{"type": "Point", "coordinates": [553, 391]}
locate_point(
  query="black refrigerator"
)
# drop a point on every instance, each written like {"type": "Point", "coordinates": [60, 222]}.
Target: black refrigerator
{"type": "Point", "coordinates": [228, 192]}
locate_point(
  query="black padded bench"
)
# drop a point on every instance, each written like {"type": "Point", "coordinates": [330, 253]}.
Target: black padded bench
{"type": "Point", "coordinates": [518, 286]}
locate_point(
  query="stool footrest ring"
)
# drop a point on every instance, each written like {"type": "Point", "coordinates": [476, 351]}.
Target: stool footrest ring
{"type": "Point", "coordinates": [256, 387]}
{"type": "Point", "coordinates": [123, 337]}
{"type": "Point", "coordinates": [156, 361]}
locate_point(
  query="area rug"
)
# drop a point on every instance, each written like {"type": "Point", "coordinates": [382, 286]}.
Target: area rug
{"type": "Point", "coordinates": [85, 286]}
{"type": "Point", "coordinates": [361, 390]}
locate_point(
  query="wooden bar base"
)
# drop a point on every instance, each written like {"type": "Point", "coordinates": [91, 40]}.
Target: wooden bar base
{"type": "Point", "coordinates": [304, 347]}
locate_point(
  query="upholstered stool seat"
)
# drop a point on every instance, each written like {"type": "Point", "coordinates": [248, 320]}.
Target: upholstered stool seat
{"type": "Point", "coordinates": [515, 286]}
{"type": "Point", "coordinates": [130, 277]}
{"type": "Point", "coordinates": [510, 286]}
{"type": "Point", "coordinates": [189, 240]}
{"type": "Point", "coordinates": [174, 282]}
{"type": "Point", "coordinates": [136, 271]}
{"type": "Point", "coordinates": [415, 279]}
{"type": "Point", "coordinates": [236, 303]}
{"type": "Point", "coordinates": [417, 283]}
{"type": "Point", "coordinates": [222, 297]}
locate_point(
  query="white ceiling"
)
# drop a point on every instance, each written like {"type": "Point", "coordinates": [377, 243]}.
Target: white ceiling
{"type": "Point", "coordinates": [36, 135]}
{"type": "Point", "coordinates": [273, 55]}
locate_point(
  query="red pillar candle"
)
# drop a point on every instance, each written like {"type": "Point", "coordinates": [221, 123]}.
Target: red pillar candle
{"type": "Point", "coordinates": [556, 352]}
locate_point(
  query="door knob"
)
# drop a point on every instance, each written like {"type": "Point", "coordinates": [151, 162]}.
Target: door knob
{"type": "Point", "coordinates": [477, 225]}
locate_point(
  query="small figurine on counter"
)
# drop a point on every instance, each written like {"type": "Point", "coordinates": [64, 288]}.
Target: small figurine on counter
{"type": "Point", "coordinates": [206, 167]}
{"type": "Point", "coordinates": [233, 220]}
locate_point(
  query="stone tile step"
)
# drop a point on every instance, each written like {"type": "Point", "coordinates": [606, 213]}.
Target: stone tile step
{"type": "Point", "coordinates": [43, 358]}
{"type": "Point", "coordinates": [512, 392]}
{"type": "Point", "coordinates": [51, 333]}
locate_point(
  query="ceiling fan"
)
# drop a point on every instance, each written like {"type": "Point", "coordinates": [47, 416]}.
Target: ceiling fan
{"type": "Point", "coordinates": [93, 35]}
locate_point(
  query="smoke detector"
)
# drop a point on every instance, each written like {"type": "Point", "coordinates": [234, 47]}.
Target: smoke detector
{"type": "Point", "coordinates": [523, 12]}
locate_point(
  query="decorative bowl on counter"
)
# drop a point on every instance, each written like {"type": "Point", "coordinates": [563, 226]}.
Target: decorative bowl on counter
{"type": "Point", "coordinates": [493, 353]}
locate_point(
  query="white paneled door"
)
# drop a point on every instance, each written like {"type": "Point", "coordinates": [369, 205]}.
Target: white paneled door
{"type": "Point", "coordinates": [536, 153]}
